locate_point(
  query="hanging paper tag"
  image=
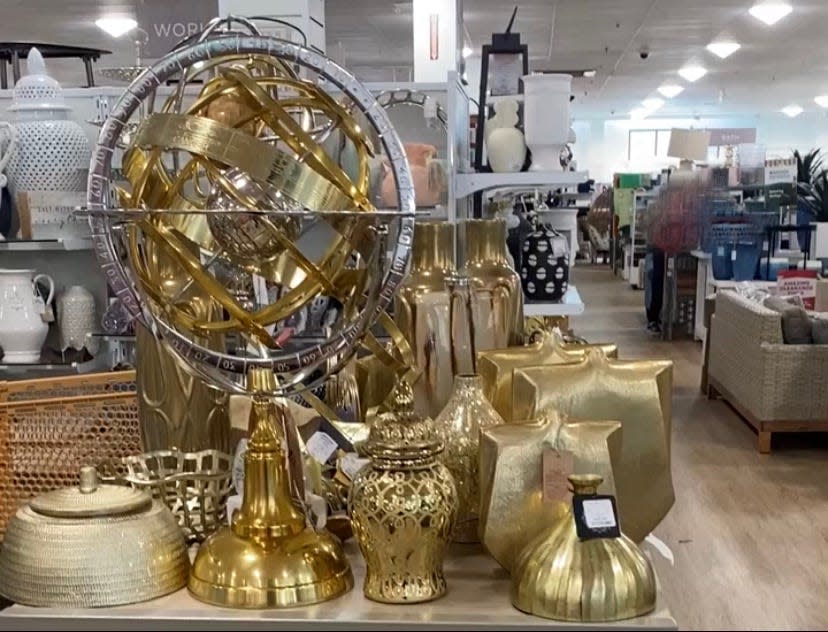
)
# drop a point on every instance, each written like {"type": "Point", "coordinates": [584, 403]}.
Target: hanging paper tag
{"type": "Point", "coordinates": [350, 464]}
{"type": "Point", "coordinates": [557, 466]}
{"type": "Point", "coordinates": [321, 447]}
{"type": "Point", "coordinates": [48, 314]}
{"type": "Point", "coordinates": [238, 467]}
{"type": "Point", "coordinates": [595, 517]}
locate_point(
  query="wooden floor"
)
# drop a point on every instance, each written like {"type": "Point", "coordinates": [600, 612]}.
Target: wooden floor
{"type": "Point", "coordinates": [748, 532]}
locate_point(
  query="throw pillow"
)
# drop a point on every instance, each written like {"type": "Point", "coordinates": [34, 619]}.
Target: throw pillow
{"type": "Point", "coordinates": [819, 330]}
{"type": "Point", "coordinates": [796, 324]}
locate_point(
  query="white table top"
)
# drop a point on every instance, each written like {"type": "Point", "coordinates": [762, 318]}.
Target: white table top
{"type": "Point", "coordinates": [477, 599]}
{"type": "Point", "coordinates": [572, 305]}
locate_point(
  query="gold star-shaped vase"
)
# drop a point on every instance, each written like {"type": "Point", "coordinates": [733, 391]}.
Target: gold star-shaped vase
{"type": "Point", "coordinates": [512, 507]}
{"type": "Point", "coordinates": [638, 394]}
{"type": "Point", "coordinates": [496, 366]}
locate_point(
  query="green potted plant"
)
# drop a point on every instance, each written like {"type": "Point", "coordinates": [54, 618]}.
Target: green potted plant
{"type": "Point", "coordinates": [814, 197]}
{"type": "Point", "coordinates": [808, 166]}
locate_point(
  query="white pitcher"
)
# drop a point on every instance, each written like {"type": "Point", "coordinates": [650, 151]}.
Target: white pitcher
{"type": "Point", "coordinates": [22, 327]}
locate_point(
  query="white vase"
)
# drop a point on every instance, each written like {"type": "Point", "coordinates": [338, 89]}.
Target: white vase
{"type": "Point", "coordinates": [76, 319]}
{"type": "Point", "coordinates": [820, 249]}
{"type": "Point", "coordinates": [22, 328]}
{"type": "Point", "coordinates": [546, 118]}
{"type": "Point", "coordinates": [506, 149]}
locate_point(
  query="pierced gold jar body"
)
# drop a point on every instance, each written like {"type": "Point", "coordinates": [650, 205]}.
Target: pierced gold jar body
{"type": "Point", "coordinates": [403, 506]}
{"type": "Point", "coordinates": [466, 414]}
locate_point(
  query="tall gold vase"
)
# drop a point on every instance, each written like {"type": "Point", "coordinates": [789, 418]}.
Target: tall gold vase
{"type": "Point", "coordinates": [466, 414]}
{"type": "Point", "coordinates": [498, 304]}
{"type": "Point", "coordinates": [421, 310]}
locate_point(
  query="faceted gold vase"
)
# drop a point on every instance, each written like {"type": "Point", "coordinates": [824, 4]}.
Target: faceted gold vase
{"type": "Point", "coordinates": [421, 310]}
{"type": "Point", "coordinates": [403, 506]}
{"type": "Point", "coordinates": [269, 558]}
{"type": "Point", "coordinates": [498, 305]}
{"type": "Point", "coordinates": [467, 413]}
{"type": "Point", "coordinates": [560, 576]}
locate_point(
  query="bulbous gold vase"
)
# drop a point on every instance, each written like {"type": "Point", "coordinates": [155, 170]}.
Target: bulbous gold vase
{"type": "Point", "coordinates": [403, 506]}
{"type": "Point", "coordinates": [466, 414]}
{"type": "Point", "coordinates": [560, 576]}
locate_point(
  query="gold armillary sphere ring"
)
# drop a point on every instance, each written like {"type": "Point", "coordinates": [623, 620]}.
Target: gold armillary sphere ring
{"type": "Point", "coordinates": [103, 221]}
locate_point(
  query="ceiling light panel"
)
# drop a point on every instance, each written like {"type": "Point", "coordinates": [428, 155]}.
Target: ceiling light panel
{"type": "Point", "coordinates": [723, 50]}
{"type": "Point", "coordinates": [792, 111]}
{"type": "Point", "coordinates": [692, 72]}
{"type": "Point", "coordinates": [770, 12]}
{"type": "Point", "coordinates": [822, 101]}
{"type": "Point", "coordinates": [653, 103]}
{"type": "Point", "coordinates": [670, 90]}
{"type": "Point", "coordinates": [116, 26]}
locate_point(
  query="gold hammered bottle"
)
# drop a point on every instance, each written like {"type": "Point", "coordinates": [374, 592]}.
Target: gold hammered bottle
{"type": "Point", "coordinates": [421, 310]}
{"type": "Point", "coordinates": [466, 414]}
{"type": "Point", "coordinates": [498, 304]}
{"type": "Point", "coordinates": [560, 576]}
{"type": "Point", "coordinates": [403, 506]}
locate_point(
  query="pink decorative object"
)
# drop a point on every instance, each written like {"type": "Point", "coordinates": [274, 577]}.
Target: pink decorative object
{"type": "Point", "coordinates": [427, 172]}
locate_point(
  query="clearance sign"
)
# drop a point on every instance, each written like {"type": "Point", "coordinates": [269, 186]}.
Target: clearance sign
{"type": "Point", "coordinates": [168, 22]}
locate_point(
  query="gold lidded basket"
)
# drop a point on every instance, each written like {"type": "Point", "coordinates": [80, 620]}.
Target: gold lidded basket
{"type": "Point", "coordinates": [92, 546]}
{"type": "Point", "coordinates": [194, 486]}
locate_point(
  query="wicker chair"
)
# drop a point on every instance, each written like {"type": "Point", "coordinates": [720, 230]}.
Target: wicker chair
{"type": "Point", "coordinates": [774, 386]}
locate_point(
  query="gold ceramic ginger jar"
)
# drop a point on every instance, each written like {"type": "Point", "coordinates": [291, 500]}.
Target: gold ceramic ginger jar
{"type": "Point", "coordinates": [403, 506]}
{"type": "Point", "coordinates": [466, 414]}
{"type": "Point", "coordinates": [421, 310]}
{"type": "Point", "coordinates": [498, 304]}
{"type": "Point", "coordinates": [560, 576]}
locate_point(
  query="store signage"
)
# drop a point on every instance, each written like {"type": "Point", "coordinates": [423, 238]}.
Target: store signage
{"type": "Point", "coordinates": [732, 136]}
{"type": "Point", "coordinates": [168, 22]}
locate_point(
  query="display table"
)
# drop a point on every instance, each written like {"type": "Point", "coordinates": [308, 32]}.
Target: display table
{"type": "Point", "coordinates": [478, 599]}
{"type": "Point", "coordinates": [571, 305]}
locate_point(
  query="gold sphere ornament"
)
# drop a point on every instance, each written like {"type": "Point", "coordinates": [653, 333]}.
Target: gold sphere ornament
{"type": "Point", "coordinates": [403, 506]}
{"type": "Point", "coordinates": [561, 576]}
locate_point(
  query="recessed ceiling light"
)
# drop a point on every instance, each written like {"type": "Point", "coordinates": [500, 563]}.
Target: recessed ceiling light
{"type": "Point", "coordinates": [589, 74]}
{"type": "Point", "coordinates": [671, 90]}
{"type": "Point", "coordinates": [467, 51]}
{"type": "Point", "coordinates": [116, 26]}
{"type": "Point", "coordinates": [653, 103]}
{"type": "Point", "coordinates": [723, 50]}
{"type": "Point", "coordinates": [792, 111]}
{"type": "Point", "coordinates": [822, 101]}
{"type": "Point", "coordinates": [639, 113]}
{"type": "Point", "coordinates": [770, 12]}
{"type": "Point", "coordinates": [692, 72]}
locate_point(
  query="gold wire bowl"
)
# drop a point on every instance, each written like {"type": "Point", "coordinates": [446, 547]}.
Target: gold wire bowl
{"type": "Point", "coordinates": [193, 485]}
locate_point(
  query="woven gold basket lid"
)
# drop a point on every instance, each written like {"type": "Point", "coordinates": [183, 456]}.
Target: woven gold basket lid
{"type": "Point", "coordinates": [401, 433]}
{"type": "Point", "coordinates": [90, 499]}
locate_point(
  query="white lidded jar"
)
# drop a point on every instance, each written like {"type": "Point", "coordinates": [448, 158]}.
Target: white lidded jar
{"type": "Point", "coordinates": [76, 319]}
{"type": "Point", "coordinates": [52, 158]}
{"type": "Point", "coordinates": [23, 329]}
{"type": "Point", "coordinates": [546, 118]}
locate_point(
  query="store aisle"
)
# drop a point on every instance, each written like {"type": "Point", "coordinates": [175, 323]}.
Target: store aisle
{"type": "Point", "coordinates": [749, 533]}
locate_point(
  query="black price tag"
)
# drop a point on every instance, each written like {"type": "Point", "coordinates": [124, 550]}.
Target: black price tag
{"type": "Point", "coordinates": [595, 517]}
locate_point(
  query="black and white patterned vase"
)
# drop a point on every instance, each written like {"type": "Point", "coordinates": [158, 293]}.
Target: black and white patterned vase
{"type": "Point", "coordinates": [544, 270]}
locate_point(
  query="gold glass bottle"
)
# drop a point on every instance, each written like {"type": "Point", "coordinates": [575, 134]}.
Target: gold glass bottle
{"type": "Point", "coordinates": [466, 414]}
{"type": "Point", "coordinates": [421, 310]}
{"type": "Point", "coordinates": [403, 506]}
{"type": "Point", "coordinates": [498, 306]}
{"type": "Point", "coordinates": [560, 576]}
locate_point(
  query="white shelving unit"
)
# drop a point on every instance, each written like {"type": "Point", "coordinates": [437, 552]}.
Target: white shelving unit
{"type": "Point", "coordinates": [46, 245]}
{"type": "Point", "coordinates": [467, 183]}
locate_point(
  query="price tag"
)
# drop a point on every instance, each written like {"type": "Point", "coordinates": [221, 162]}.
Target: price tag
{"type": "Point", "coordinates": [321, 447]}
{"type": "Point", "coordinates": [595, 517]}
{"type": "Point", "coordinates": [557, 466]}
{"type": "Point", "coordinates": [720, 251]}
{"type": "Point", "coordinates": [351, 463]}
{"type": "Point", "coordinates": [238, 467]}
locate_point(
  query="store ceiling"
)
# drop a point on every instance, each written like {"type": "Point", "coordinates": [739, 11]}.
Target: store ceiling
{"type": "Point", "coordinates": [776, 65]}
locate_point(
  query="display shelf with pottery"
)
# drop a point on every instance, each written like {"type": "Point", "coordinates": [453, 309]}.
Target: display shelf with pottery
{"type": "Point", "coordinates": [478, 599]}
{"type": "Point", "coordinates": [467, 183]}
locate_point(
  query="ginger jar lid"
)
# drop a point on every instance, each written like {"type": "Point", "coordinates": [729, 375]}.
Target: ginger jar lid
{"type": "Point", "coordinates": [401, 433]}
{"type": "Point", "coordinates": [37, 90]}
{"type": "Point", "coordinates": [90, 499]}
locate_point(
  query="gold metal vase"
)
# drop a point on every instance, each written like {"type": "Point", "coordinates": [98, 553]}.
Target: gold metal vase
{"type": "Point", "coordinates": [467, 413]}
{"type": "Point", "coordinates": [403, 506]}
{"type": "Point", "coordinates": [498, 305]}
{"type": "Point", "coordinates": [269, 558]}
{"type": "Point", "coordinates": [560, 576]}
{"type": "Point", "coordinates": [421, 310]}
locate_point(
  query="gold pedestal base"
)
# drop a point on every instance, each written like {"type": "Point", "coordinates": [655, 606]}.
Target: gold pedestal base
{"type": "Point", "coordinates": [298, 570]}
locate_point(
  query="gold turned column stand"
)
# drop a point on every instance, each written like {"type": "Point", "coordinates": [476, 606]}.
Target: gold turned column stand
{"type": "Point", "coordinates": [269, 558]}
